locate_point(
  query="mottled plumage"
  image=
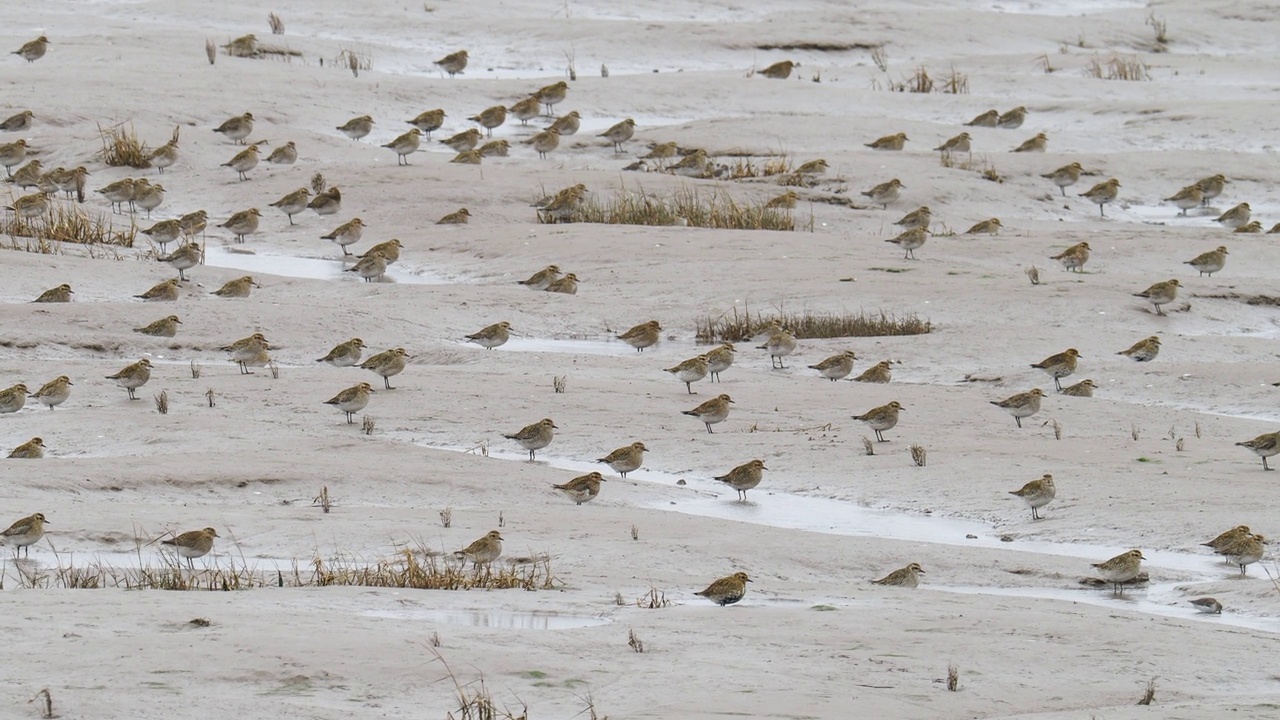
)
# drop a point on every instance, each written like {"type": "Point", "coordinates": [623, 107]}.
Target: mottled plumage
{"type": "Point", "coordinates": [535, 437]}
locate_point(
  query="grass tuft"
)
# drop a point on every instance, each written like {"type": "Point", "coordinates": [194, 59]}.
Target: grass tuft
{"type": "Point", "coordinates": [688, 206]}
{"type": "Point", "coordinates": [122, 148]}
{"type": "Point", "coordinates": [323, 499]}
{"type": "Point", "coordinates": [953, 678]}
{"type": "Point", "coordinates": [64, 224]}
{"type": "Point", "coordinates": [277, 25]}
{"type": "Point", "coordinates": [634, 641]}
{"type": "Point", "coordinates": [1118, 67]}
{"type": "Point", "coordinates": [740, 327]}
{"type": "Point", "coordinates": [211, 50]}
{"type": "Point", "coordinates": [655, 599]}
{"type": "Point", "coordinates": [919, 455]}
{"type": "Point", "coordinates": [162, 402]}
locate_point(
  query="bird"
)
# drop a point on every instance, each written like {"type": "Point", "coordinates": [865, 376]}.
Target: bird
{"type": "Point", "coordinates": [885, 192]}
{"type": "Point", "coordinates": [293, 203]}
{"type": "Point", "coordinates": [164, 327]}
{"type": "Point", "coordinates": [327, 202]}
{"type": "Point", "coordinates": [661, 152]}
{"type": "Point", "coordinates": [33, 50]}
{"type": "Point", "coordinates": [244, 161]}
{"type": "Point", "coordinates": [55, 392]}
{"type": "Point", "coordinates": [494, 148]}
{"type": "Point", "coordinates": [238, 288]}
{"type": "Point", "coordinates": [32, 449]}
{"type": "Point", "coordinates": [719, 360]}
{"type": "Point", "coordinates": [726, 590]}
{"type": "Point", "coordinates": [236, 128]}
{"type": "Point", "coordinates": [244, 46]}
{"type": "Point", "coordinates": [148, 196]}
{"type": "Point", "coordinates": [534, 437]}
{"type": "Point", "coordinates": [779, 345]}
{"type": "Point", "coordinates": [28, 176]}
{"type": "Point", "coordinates": [133, 376]}
{"type": "Point", "coordinates": [878, 373]}
{"type": "Point", "coordinates": [286, 154]}
{"type": "Point", "coordinates": [1036, 494]}
{"type": "Point", "coordinates": [625, 459]}
{"type": "Point", "coordinates": [1210, 262]}
{"type": "Point", "coordinates": [1036, 144]}
{"type": "Point", "coordinates": [910, 240]}
{"type": "Point", "coordinates": [166, 291]}
{"type": "Point", "coordinates": [483, 551]}
{"type": "Point", "coordinates": [1211, 187]}
{"type": "Point", "coordinates": [643, 335]}
{"type": "Point", "coordinates": [689, 372]}
{"type": "Point", "coordinates": [567, 124]}
{"type": "Point", "coordinates": [541, 279]}
{"type": "Point", "coordinates": [1226, 538]}
{"type": "Point", "coordinates": [386, 364]}
{"type": "Point", "coordinates": [544, 142]}
{"type": "Point", "coordinates": [1103, 193]}
{"type": "Point", "coordinates": [25, 533]}
{"type": "Point", "coordinates": [352, 400]}
{"type": "Point", "coordinates": [348, 233]}
{"type": "Point", "coordinates": [1143, 350]}
{"type": "Point", "coordinates": [551, 95]}
{"type": "Point", "coordinates": [18, 122]}
{"type": "Point", "coordinates": [991, 226]}
{"type": "Point", "coordinates": [1065, 176]}
{"type": "Point", "coordinates": [468, 157]}
{"type": "Point", "coordinates": [457, 217]}
{"type": "Point", "coordinates": [785, 201]}
{"type": "Point", "coordinates": [344, 354]}
{"type": "Point", "coordinates": [1012, 120]}
{"type": "Point", "coordinates": [428, 121]}
{"type": "Point", "coordinates": [918, 218]}
{"type": "Point", "coordinates": [711, 412]}
{"type": "Point", "coordinates": [1186, 198]}
{"type": "Point", "coordinates": [492, 336]}
{"type": "Point", "coordinates": [881, 418]}
{"type": "Point", "coordinates": [889, 142]}
{"type": "Point", "coordinates": [405, 145]}
{"type": "Point", "coordinates": [1024, 404]}
{"type": "Point", "coordinates": [1207, 605]}
{"type": "Point", "coordinates": [357, 127]}
{"type": "Point", "coordinates": [490, 118]}
{"type": "Point", "coordinates": [243, 223]}
{"type": "Point", "coordinates": [620, 133]}
{"type": "Point", "coordinates": [193, 222]}
{"type": "Point", "coordinates": [908, 577]}
{"type": "Point", "coordinates": [837, 366]}
{"type": "Point", "coordinates": [246, 349]}
{"type": "Point", "coordinates": [567, 285]}
{"type": "Point", "coordinates": [118, 193]}
{"type": "Point", "coordinates": [1084, 388]}
{"type": "Point", "coordinates": [453, 63]}
{"type": "Point", "coordinates": [1059, 366]}
{"type": "Point", "coordinates": [1161, 293]}
{"type": "Point", "coordinates": [1121, 569]}
{"type": "Point", "coordinates": [463, 141]}
{"type": "Point", "coordinates": [1236, 217]}
{"type": "Point", "coordinates": [1074, 257]}
{"type": "Point", "coordinates": [164, 156]}
{"type": "Point", "coordinates": [12, 154]}
{"type": "Point", "coordinates": [527, 109]}
{"type": "Point", "coordinates": [371, 267]}
{"type": "Point", "coordinates": [583, 488]}
{"type": "Point", "coordinates": [987, 119]}
{"type": "Point", "coordinates": [696, 164]}
{"type": "Point", "coordinates": [1264, 446]}
{"type": "Point", "coordinates": [60, 294]}
{"type": "Point", "coordinates": [164, 232]}
{"type": "Point", "coordinates": [183, 259]}
{"type": "Point", "coordinates": [744, 477]}
{"type": "Point", "coordinates": [1253, 226]}
{"type": "Point", "coordinates": [390, 250]}
{"type": "Point", "coordinates": [780, 70]}
{"type": "Point", "coordinates": [961, 143]}
{"type": "Point", "coordinates": [193, 544]}
{"type": "Point", "coordinates": [12, 399]}
{"type": "Point", "coordinates": [30, 206]}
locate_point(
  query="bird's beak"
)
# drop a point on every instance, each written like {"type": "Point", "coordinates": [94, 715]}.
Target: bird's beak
{"type": "Point", "coordinates": [750, 580]}
{"type": "Point", "coordinates": [555, 426]}
{"type": "Point", "coordinates": [70, 383]}
{"type": "Point", "coordinates": [178, 321]}
{"type": "Point", "coordinates": [763, 467]}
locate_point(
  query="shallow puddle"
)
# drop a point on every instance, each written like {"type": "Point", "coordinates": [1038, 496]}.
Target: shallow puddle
{"type": "Point", "coordinates": [311, 268]}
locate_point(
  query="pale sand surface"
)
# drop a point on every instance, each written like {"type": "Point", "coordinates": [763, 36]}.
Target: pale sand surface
{"type": "Point", "coordinates": [1028, 640]}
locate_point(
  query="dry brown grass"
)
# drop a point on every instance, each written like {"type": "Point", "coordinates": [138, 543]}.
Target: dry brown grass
{"type": "Point", "coordinates": [736, 326]}
{"type": "Point", "coordinates": [1118, 67]}
{"type": "Point", "coordinates": [162, 402]}
{"type": "Point", "coordinates": [122, 148]}
{"type": "Point", "coordinates": [634, 641]}
{"type": "Point", "coordinates": [868, 446]}
{"type": "Point", "coordinates": [655, 599]}
{"type": "Point", "coordinates": [323, 500]}
{"type": "Point", "coordinates": [211, 50]}
{"type": "Point", "coordinates": [65, 223]}
{"type": "Point", "coordinates": [1149, 694]}
{"type": "Point", "coordinates": [354, 60]}
{"type": "Point", "coordinates": [688, 206]}
{"type": "Point", "coordinates": [277, 25]}
{"type": "Point", "coordinates": [955, 83]}
{"type": "Point", "coordinates": [953, 678]}
{"type": "Point", "coordinates": [746, 168]}
{"type": "Point", "coordinates": [919, 455]}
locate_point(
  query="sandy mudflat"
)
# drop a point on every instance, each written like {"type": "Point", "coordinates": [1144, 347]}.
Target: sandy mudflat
{"type": "Point", "coordinates": [812, 639]}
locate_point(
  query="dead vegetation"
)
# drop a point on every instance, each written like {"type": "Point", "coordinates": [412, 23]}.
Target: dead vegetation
{"type": "Point", "coordinates": [634, 641]}
{"type": "Point", "coordinates": [354, 60]}
{"type": "Point", "coordinates": [277, 25]}
{"type": "Point", "coordinates": [919, 455]}
{"type": "Point", "coordinates": [122, 148]}
{"type": "Point", "coordinates": [744, 168]}
{"type": "Point", "coordinates": [953, 678]}
{"type": "Point", "coordinates": [211, 50]}
{"type": "Point", "coordinates": [1149, 694]}
{"type": "Point", "coordinates": [323, 500]}
{"type": "Point", "coordinates": [162, 402]}
{"type": "Point", "coordinates": [1118, 67]}
{"type": "Point", "coordinates": [736, 326]}
{"type": "Point", "coordinates": [818, 46]}
{"type": "Point", "coordinates": [653, 600]}
{"type": "Point", "coordinates": [64, 223]}
{"type": "Point", "coordinates": [921, 82]}
{"type": "Point", "coordinates": [691, 207]}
